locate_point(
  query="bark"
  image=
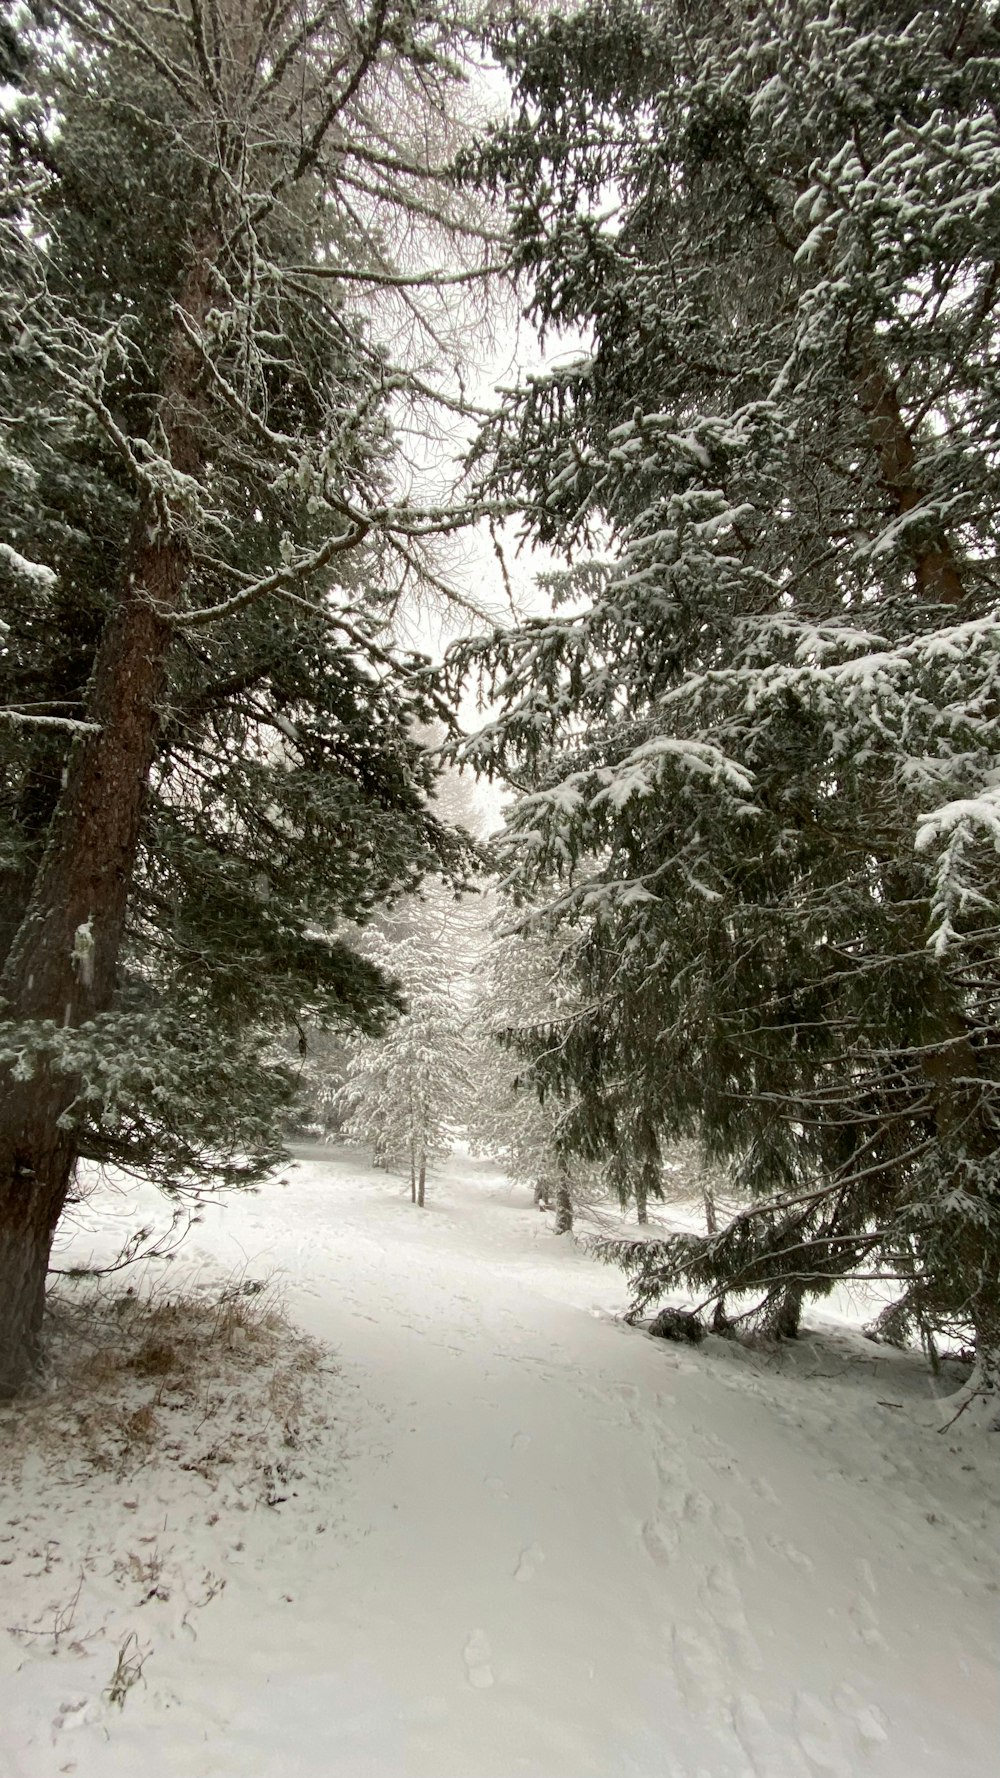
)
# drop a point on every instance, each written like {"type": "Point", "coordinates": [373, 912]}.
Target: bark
{"type": "Point", "coordinates": [936, 568]}
{"type": "Point", "coordinates": [37, 1172]}
{"type": "Point", "coordinates": [421, 1182]}
{"type": "Point", "coordinates": [976, 1406]}
{"type": "Point", "coordinates": [951, 1066]}
{"type": "Point", "coordinates": [564, 1206]}
{"type": "Point", "coordinates": [641, 1202]}
{"type": "Point", "coordinates": [783, 1318]}
{"type": "Point", "coordinates": [986, 1377]}
{"type": "Point", "coordinates": [721, 1323]}
{"type": "Point", "coordinates": [711, 1210]}
{"type": "Point", "coordinates": [63, 963]}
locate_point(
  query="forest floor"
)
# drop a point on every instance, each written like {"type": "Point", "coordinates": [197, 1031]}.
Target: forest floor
{"type": "Point", "coordinates": [453, 1519]}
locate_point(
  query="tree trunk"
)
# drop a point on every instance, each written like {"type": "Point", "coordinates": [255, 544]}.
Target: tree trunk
{"type": "Point", "coordinates": [721, 1323]}
{"type": "Point", "coordinates": [413, 1175]}
{"type": "Point", "coordinates": [711, 1210]}
{"type": "Point", "coordinates": [421, 1181]}
{"type": "Point", "coordinates": [986, 1376]}
{"type": "Point", "coordinates": [38, 1166]}
{"type": "Point", "coordinates": [541, 1196]}
{"type": "Point", "coordinates": [976, 1406]}
{"type": "Point", "coordinates": [641, 1202]}
{"type": "Point", "coordinates": [63, 964]}
{"type": "Point", "coordinates": [783, 1319]}
{"type": "Point", "coordinates": [564, 1206]}
{"type": "Point", "coordinates": [937, 571]}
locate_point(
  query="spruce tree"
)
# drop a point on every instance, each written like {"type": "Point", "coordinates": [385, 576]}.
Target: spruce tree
{"type": "Point", "coordinates": [533, 1131]}
{"type": "Point", "coordinates": [207, 735]}
{"type": "Point", "coordinates": [407, 1090]}
{"type": "Point", "coordinates": [757, 739]}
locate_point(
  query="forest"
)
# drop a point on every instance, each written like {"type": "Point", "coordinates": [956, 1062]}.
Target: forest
{"type": "Point", "coordinates": [500, 681]}
{"type": "Point", "coordinates": [750, 747]}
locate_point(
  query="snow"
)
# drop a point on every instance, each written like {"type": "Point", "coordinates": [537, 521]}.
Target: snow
{"type": "Point", "coordinates": [530, 1541]}
{"type": "Point", "coordinates": [41, 577]}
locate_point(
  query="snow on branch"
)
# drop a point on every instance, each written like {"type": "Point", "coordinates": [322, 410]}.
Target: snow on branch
{"type": "Point", "coordinates": [74, 724]}
{"type": "Point", "coordinates": [279, 579]}
{"type": "Point", "coordinates": [399, 280]}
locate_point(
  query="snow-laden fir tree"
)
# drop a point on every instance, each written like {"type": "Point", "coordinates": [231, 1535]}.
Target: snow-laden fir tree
{"type": "Point", "coordinates": [218, 237]}
{"type": "Point", "coordinates": [406, 1091]}
{"type": "Point", "coordinates": [758, 739]}
{"type": "Point", "coordinates": [515, 1115]}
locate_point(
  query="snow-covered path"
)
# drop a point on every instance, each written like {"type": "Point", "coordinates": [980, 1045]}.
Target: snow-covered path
{"type": "Point", "coordinates": [557, 1548]}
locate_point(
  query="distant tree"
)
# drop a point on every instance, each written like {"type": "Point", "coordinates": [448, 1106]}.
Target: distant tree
{"type": "Point", "coordinates": [529, 1131]}
{"type": "Point", "coordinates": [406, 1091]}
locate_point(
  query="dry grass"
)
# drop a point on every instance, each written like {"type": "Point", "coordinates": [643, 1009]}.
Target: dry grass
{"type": "Point", "coordinates": [200, 1381]}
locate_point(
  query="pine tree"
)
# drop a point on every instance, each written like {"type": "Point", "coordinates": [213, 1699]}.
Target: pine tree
{"type": "Point", "coordinates": [758, 738]}
{"type": "Point", "coordinates": [207, 735]}
{"type": "Point", "coordinates": [532, 1131]}
{"type": "Point", "coordinates": [406, 1090]}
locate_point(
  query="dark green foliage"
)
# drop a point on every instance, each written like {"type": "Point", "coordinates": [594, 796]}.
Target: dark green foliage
{"type": "Point", "coordinates": [757, 741]}
{"type": "Point", "coordinates": [678, 1325]}
{"type": "Point", "coordinates": [289, 795]}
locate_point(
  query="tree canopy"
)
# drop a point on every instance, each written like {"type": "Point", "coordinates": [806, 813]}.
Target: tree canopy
{"type": "Point", "coordinates": [228, 249]}
{"type": "Point", "coordinates": [756, 743]}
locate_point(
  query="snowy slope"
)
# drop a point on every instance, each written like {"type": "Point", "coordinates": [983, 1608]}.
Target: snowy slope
{"type": "Point", "coordinates": [536, 1542]}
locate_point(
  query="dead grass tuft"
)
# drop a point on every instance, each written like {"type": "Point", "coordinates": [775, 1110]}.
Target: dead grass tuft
{"type": "Point", "coordinates": [215, 1383]}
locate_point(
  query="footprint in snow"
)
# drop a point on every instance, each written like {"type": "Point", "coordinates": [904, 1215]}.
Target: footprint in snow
{"type": "Point", "coordinates": [497, 1488]}
{"type": "Point", "coordinates": [78, 1713]}
{"type": "Point", "coordinates": [699, 1673]}
{"type": "Point", "coordinates": [818, 1736]}
{"type": "Point", "coordinates": [764, 1491]}
{"type": "Point", "coordinates": [529, 1562]}
{"type": "Point", "coordinates": [796, 1557]}
{"type": "Point", "coordinates": [866, 1576]}
{"type": "Point", "coordinates": [729, 1525]}
{"type": "Point", "coordinates": [870, 1724]}
{"type": "Point", "coordinates": [477, 1655]}
{"type": "Point", "coordinates": [756, 1735]}
{"type": "Point", "coordinates": [724, 1603]}
{"type": "Point", "coordinates": [866, 1623]}
{"type": "Point", "coordinates": [659, 1540]}
{"type": "Point", "coordinates": [520, 1441]}
{"type": "Point", "coordinates": [696, 1509]}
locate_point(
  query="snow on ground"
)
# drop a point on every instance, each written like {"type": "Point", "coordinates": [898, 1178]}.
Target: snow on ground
{"type": "Point", "coordinates": [530, 1541]}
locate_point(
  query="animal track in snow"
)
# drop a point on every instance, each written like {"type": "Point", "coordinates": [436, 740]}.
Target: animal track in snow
{"type": "Point", "coordinates": [477, 1655]}
{"type": "Point", "coordinates": [529, 1562]}
{"type": "Point", "coordinates": [520, 1441]}
{"type": "Point", "coordinates": [497, 1488]}
{"type": "Point", "coordinates": [78, 1713]}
